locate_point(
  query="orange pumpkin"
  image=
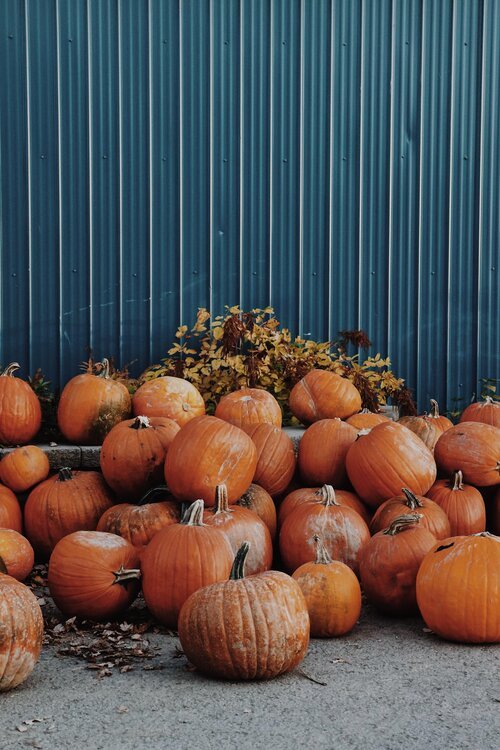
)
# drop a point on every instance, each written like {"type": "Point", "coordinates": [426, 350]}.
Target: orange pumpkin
{"type": "Point", "coordinates": [133, 454]}
{"type": "Point", "coordinates": [458, 588]}
{"type": "Point", "coordinates": [17, 554]}
{"type": "Point", "coordinates": [24, 467]}
{"type": "Point", "coordinates": [93, 575]}
{"type": "Point", "coordinates": [91, 405]}
{"type": "Point", "coordinates": [366, 419]}
{"type": "Point", "coordinates": [208, 452]}
{"type": "Point", "coordinates": [475, 448]}
{"type": "Point", "coordinates": [322, 452]}
{"type": "Point", "coordinates": [424, 427]}
{"type": "Point", "coordinates": [167, 396]}
{"type": "Point", "coordinates": [260, 502]}
{"type": "Point", "coordinates": [321, 494]}
{"type": "Point", "coordinates": [487, 412]}
{"type": "Point", "coordinates": [323, 395]}
{"type": "Point", "coordinates": [275, 457]}
{"type": "Point", "coordinates": [20, 410]}
{"type": "Point", "coordinates": [249, 406]}
{"type": "Point", "coordinates": [251, 628]}
{"type": "Point", "coordinates": [434, 518]}
{"type": "Point", "coordinates": [11, 516]}
{"type": "Point", "coordinates": [462, 503]}
{"type": "Point", "coordinates": [443, 423]}
{"type": "Point", "coordinates": [332, 594]}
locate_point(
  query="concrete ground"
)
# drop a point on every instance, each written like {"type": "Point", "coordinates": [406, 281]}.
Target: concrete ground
{"type": "Point", "coordinates": [388, 685]}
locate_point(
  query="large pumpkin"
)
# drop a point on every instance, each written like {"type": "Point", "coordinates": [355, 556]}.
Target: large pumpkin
{"type": "Point", "coordinates": [24, 467]}
{"type": "Point", "coordinates": [387, 458]}
{"type": "Point", "coordinates": [91, 405]}
{"type": "Point", "coordinates": [260, 502]}
{"type": "Point", "coordinates": [11, 516]}
{"type": "Point", "coordinates": [474, 448]}
{"type": "Point", "coordinates": [487, 412]}
{"type": "Point", "coordinates": [322, 452]}
{"type": "Point", "coordinates": [21, 631]}
{"type": "Point", "coordinates": [458, 588]}
{"type": "Point", "coordinates": [434, 518]}
{"type": "Point", "coordinates": [251, 628]}
{"type": "Point", "coordinates": [208, 452]}
{"type": "Point", "coordinates": [321, 494]}
{"type": "Point", "coordinates": [17, 554]}
{"type": "Point", "coordinates": [424, 427]}
{"type": "Point", "coordinates": [167, 396]}
{"type": "Point", "coordinates": [323, 395]}
{"type": "Point", "coordinates": [133, 454]}
{"type": "Point", "coordinates": [462, 503]}
{"type": "Point", "coordinates": [20, 410]}
{"type": "Point", "coordinates": [275, 457]}
{"type": "Point", "coordinates": [249, 406]}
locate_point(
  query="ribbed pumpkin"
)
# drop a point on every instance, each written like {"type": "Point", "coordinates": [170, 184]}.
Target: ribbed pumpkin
{"type": "Point", "coordinates": [174, 398]}
{"type": "Point", "coordinates": [208, 452]}
{"type": "Point", "coordinates": [20, 411]}
{"type": "Point", "coordinates": [69, 501]}
{"type": "Point", "coordinates": [332, 594]}
{"type": "Point", "coordinates": [423, 427]}
{"type": "Point", "coordinates": [342, 531]}
{"type": "Point", "coordinates": [240, 525]}
{"type": "Point", "coordinates": [179, 560]}
{"type": "Point", "coordinates": [321, 494]}
{"type": "Point", "coordinates": [487, 412]}
{"type": "Point", "coordinates": [475, 449]}
{"type": "Point", "coordinates": [251, 628]}
{"type": "Point", "coordinates": [323, 395]}
{"type": "Point", "coordinates": [21, 631]}
{"type": "Point", "coordinates": [322, 452]}
{"type": "Point", "coordinates": [11, 516]}
{"type": "Point", "coordinates": [434, 517]}
{"type": "Point", "coordinates": [458, 588]}
{"type": "Point", "coordinates": [462, 503]}
{"type": "Point", "coordinates": [275, 457]}
{"type": "Point", "coordinates": [93, 575]}
{"type": "Point", "coordinates": [387, 458]}
{"type": "Point", "coordinates": [17, 554]}
{"type": "Point", "coordinates": [366, 419]}
{"type": "Point", "coordinates": [443, 423]}
{"type": "Point", "coordinates": [249, 406]}
{"type": "Point", "coordinates": [91, 405]}
{"type": "Point", "coordinates": [24, 467]}
{"type": "Point", "coordinates": [389, 562]}
{"type": "Point", "coordinates": [133, 454]}
{"type": "Point", "coordinates": [260, 502]}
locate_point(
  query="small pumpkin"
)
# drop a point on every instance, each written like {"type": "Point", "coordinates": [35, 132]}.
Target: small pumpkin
{"type": "Point", "coordinates": [366, 419]}
{"type": "Point", "coordinates": [323, 395]}
{"type": "Point", "coordinates": [320, 494]}
{"type": "Point", "coordinates": [20, 410]}
{"type": "Point", "coordinates": [24, 467]}
{"type": "Point", "coordinates": [11, 516]}
{"type": "Point", "coordinates": [249, 406]}
{"type": "Point", "coordinates": [462, 503]}
{"type": "Point", "coordinates": [322, 452]}
{"type": "Point", "coordinates": [475, 448]}
{"type": "Point", "coordinates": [487, 412]}
{"type": "Point", "coordinates": [16, 553]}
{"type": "Point", "coordinates": [276, 460]}
{"type": "Point", "coordinates": [423, 427]}
{"type": "Point", "coordinates": [251, 628]}
{"type": "Point", "coordinates": [442, 422]}
{"type": "Point", "coordinates": [434, 518]}
{"type": "Point", "coordinates": [171, 397]}
{"type": "Point", "coordinates": [332, 594]}
{"type": "Point", "coordinates": [260, 502]}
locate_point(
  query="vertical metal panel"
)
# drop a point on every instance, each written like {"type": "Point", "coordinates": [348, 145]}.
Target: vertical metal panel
{"type": "Point", "coordinates": [338, 158]}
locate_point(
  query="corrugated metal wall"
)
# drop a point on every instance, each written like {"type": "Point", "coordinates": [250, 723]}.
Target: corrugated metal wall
{"type": "Point", "coordinates": [338, 159]}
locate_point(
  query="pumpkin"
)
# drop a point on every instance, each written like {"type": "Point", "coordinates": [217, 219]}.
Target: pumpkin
{"type": "Point", "coordinates": [424, 427]}
{"type": "Point", "coordinates": [458, 588]}
{"type": "Point", "coordinates": [323, 395]}
{"type": "Point", "coordinates": [133, 454]}
{"type": "Point", "coordinates": [11, 516]}
{"type": "Point", "coordinates": [275, 457]}
{"type": "Point", "coordinates": [366, 419]}
{"type": "Point", "coordinates": [251, 628]}
{"type": "Point", "coordinates": [260, 502]}
{"type": "Point", "coordinates": [443, 423]}
{"type": "Point", "coordinates": [322, 452]}
{"type": "Point", "coordinates": [342, 531]}
{"type": "Point", "coordinates": [91, 405]}
{"type": "Point", "coordinates": [462, 503]}
{"type": "Point", "coordinates": [17, 554]}
{"type": "Point", "coordinates": [320, 494]}
{"type": "Point", "coordinates": [167, 396]}
{"type": "Point", "coordinates": [239, 525]}
{"type": "Point", "coordinates": [434, 518]}
{"type": "Point", "coordinates": [332, 594]}
{"type": "Point", "coordinates": [21, 631]}
{"type": "Point", "coordinates": [487, 412]}
{"type": "Point", "coordinates": [249, 406]}
{"type": "Point", "coordinates": [475, 448]}
{"type": "Point", "coordinates": [93, 575]}
{"type": "Point", "coordinates": [389, 562]}
{"type": "Point", "coordinates": [181, 559]}
{"type": "Point", "coordinates": [20, 410]}
{"type": "Point", "coordinates": [24, 467]}
{"type": "Point", "coordinates": [388, 457]}
{"type": "Point", "coordinates": [66, 502]}
{"type": "Point", "coordinates": [208, 452]}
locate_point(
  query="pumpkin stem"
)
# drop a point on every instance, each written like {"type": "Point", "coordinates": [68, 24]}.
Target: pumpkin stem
{"type": "Point", "coordinates": [140, 423]}
{"type": "Point", "coordinates": [457, 480]}
{"type": "Point", "coordinates": [322, 554]}
{"type": "Point", "coordinates": [238, 569]}
{"type": "Point", "coordinates": [434, 412]}
{"type": "Point", "coordinates": [221, 501]}
{"type": "Point", "coordinates": [486, 534]}
{"type": "Point", "coordinates": [328, 495]}
{"type": "Point", "coordinates": [488, 400]}
{"type": "Point", "coordinates": [403, 522]}
{"type": "Point", "coordinates": [412, 500]}
{"type": "Point", "coordinates": [194, 514]}
{"type": "Point", "coordinates": [10, 369]}
{"type": "Point", "coordinates": [105, 369]}
{"type": "Point", "coordinates": [122, 575]}
{"type": "Point", "coordinates": [64, 474]}
{"type": "Point", "coordinates": [363, 432]}
{"type": "Point", "coordinates": [3, 567]}
{"type": "Point", "coordinates": [153, 493]}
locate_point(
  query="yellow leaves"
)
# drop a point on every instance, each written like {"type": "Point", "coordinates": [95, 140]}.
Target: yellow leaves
{"type": "Point", "coordinates": [217, 333]}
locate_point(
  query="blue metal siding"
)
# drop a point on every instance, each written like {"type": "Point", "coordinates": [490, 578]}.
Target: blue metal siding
{"type": "Point", "coordinates": [337, 159]}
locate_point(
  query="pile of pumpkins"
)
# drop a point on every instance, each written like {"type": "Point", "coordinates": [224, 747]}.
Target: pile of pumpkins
{"type": "Point", "coordinates": [195, 508]}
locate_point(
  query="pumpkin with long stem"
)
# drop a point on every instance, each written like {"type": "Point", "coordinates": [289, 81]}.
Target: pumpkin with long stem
{"type": "Point", "coordinates": [322, 452]}
{"type": "Point", "coordinates": [275, 457]}
{"type": "Point", "coordinates": [260, 502]}
{"type": "Point", "coordinates": [323, 395]}
{"type": "Point", "coordinates": [475, 448]}
{"type": "Point", "coordinates": [11, 516]}
{"type": "Point", "coordinates": [487, 412]}
{"type": "Point", "coordinates": [171, 397]}
{"type": "Point", "coordinates": [434, 518]}
{"type": "Point", "coordinates": [16, 553]}
{"type": "Point", "coordinates": [442, 422]}
{"type": "Point", "coordinates": [20, 410]}
{"type": "Point", "coordinates": [249, 406]}
{"type": "Point", "coordinates": [24, 467]}
{"type": "Point", "coordinates": [462, 503]}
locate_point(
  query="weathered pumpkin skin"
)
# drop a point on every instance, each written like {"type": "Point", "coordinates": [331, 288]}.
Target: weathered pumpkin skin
{"type": "Point", "coordinates": [249, 406]}
{"type": "Point", "coordinates": [423, 427]}
{"type": "Point", "coordinates": [319, 494]}
{"type": "Point", "coordinates": [487, 412]}
{"type": "Point", "coordinates": [17, 554]}
{"type": "Point", "coordinates": [323, 450]}
{"type": "Point", "coordinates": [276, 460]}
{"type": "Point", "coordinates": [11, 516]}
{"type": "Point", "coordinates": [20, 410]}
{"type": "Point", "coordinates": [21, 632]}
{"type": "Point", "coordinates": [434, 518]}
{"type": "Point", "coordinates": [259, 501]}
{"type": "Point", "coordinates": [462, 503]}
{"type": "Point", "coordinates": [387, 458]}
{"type": "Point", "coordinates": [133, 454]}
{"type": "Point", "coordinates": [475, 449]}
{"type": "Point", "coordinates": [458, 588]}
{"type": "Point", "coordinates": [138, 524]}
{"type": "Point", "coordinates": [323, 395]}
{"type": "Point", "coordinates": [253, 628]}
{"type": "Point", "coordinates": [23, 468]}
{"type": "Point", "coordinates": [174, 398]}
{"type": "Point", "coordinates": [366, 419]}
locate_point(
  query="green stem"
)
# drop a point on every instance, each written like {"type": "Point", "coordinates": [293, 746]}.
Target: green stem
{"type": "Point", "coordinates": [238, 569]}
{"type": "Point", "coordinates": [412, 500]}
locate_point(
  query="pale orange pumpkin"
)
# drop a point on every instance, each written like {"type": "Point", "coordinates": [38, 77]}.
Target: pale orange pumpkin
{"type": "Point", "coordinates": [474, 448]}
{"type": "Point", "coordinates": [323, 395]}
{"type": "Point", "coordinates": [366, 419]}
{"type": "Point", "coordinates": [249, 406]}
{"type": "Point", "coordinates": [24, 467]}
{"type": "Point", "coordinates": [171, 397]}
{"type": "Point", "coordinates": [424, 427]}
